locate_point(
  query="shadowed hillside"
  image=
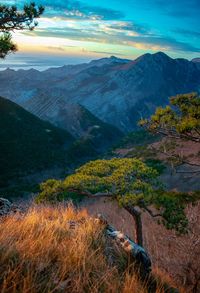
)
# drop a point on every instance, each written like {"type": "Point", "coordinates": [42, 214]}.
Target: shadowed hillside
{"type": "Point", "coordinates": [27, 143]}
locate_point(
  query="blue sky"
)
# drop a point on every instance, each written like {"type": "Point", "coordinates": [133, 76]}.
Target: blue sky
{"type": "Point", "coordinates": [78, 31]}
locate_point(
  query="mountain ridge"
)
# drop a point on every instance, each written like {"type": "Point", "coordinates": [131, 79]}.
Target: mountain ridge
{"type": "Point", "coordinates": [117, 91]}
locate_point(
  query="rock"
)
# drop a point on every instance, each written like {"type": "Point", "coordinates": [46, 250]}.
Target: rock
{"type": "Point", "coordinates": [5, 206]}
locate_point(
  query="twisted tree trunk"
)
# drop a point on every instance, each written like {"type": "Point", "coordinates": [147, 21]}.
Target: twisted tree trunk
{"type": "Point", "coordinates": [138, 224]}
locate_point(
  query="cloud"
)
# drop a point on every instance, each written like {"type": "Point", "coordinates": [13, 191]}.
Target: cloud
{"type": "Point", "coordinates": [79, 10]}
{"type": "Point", "coordinates": [85, 30]}
{"type": "Point", "coordinates": [55, 48]}
{"type": "Point", "coordinates": [107, 53]}
{"type": "Point", "coordinates": [40, 61]}
{"type": "Point", "coordinates": [112, 33]}
{"type": "Point", "coordinates": [87, 22]}
{"type": "Point", "coordinates": [161, 44]}
{"type": "Point", "coordinates": [71, 9]}
{"type": "Point", "coordinates": [59, 48]}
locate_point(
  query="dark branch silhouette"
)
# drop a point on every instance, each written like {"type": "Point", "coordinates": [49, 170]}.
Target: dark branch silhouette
{"type": "Point", "coordinates": [12, 19]}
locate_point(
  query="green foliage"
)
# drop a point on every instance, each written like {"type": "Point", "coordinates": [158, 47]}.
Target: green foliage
{"type": "Point", "coordinates": [54, 191]}
{"type": "Point", "coordinates": [173, 204]}
{"type": "Point", "coordinates": [116, 176]}
{"type": "Point", "coordinates": [13, 19]}
{"type": "Point", "coordinates": [156, 164]}
{"type": "Point", "coordinates": [180, 119]}
{"type": "Point", "coordinates": [6, 45]}
{"type": "Point", "coordinates": [128, 180]}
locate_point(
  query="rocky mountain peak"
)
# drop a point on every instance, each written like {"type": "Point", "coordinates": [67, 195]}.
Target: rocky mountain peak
{"type": "Point", "coordinates": [196, 60]}
{"type": "Point", "coordinates": [156, 57]}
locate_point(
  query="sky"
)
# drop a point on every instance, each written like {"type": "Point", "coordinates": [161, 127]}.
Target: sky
{"type": "Point", "coordinates": [71, 32]}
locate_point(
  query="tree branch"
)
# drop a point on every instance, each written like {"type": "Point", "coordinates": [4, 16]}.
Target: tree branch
{"type": "Point", "coordinates": [89, 194]}
{"type": "Point", "coordinates": [182, 162]}
{"type": "Point", "coordinates": [150, 212]}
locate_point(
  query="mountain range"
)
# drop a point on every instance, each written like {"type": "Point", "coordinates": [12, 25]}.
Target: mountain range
{"type": "Point", "coordinates": [117, 91]}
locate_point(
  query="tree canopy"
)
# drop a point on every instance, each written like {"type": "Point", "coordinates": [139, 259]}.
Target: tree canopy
{"type": "Point", "coordinates": [179, 123]}
{"type": "Point", "coordinates": [180, 119]}
{"type": "Point", "coordinates": [11, 19]}
{"type": "Point", "coordinates": [130, 181]}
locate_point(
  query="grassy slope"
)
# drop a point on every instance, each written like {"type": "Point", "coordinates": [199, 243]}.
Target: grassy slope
{"type": "Point", "coordinates": [39, 252]}
{"type": "Point", "coordinates": [28, 143]}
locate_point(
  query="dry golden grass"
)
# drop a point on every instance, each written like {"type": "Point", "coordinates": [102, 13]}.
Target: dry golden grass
{"type": "Point", "coordinates": [39, 252]}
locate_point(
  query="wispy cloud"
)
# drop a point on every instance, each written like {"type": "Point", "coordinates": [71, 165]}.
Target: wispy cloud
{"type": "Point", "coordinates": [71, 9]}
{"type": "Point", "coordinates": [124, 33]}
{"type": "Point", "coordinates": [106, 27]}
{"type": "Point", "coordinates": [79, 10]}
{"type": "Point", "coordinates": [107, 53]}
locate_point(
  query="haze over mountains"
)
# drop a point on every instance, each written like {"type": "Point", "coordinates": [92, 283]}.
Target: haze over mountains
{"type": "Point", "coordinates": [117, 91]}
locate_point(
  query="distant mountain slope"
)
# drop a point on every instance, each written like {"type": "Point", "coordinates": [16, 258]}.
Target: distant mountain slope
{"type": "Point", "coordinates": [76, 119]}
{"type": "Point", "coordinates": [99, 135]}
{"type": "Point", "coordinates": [28, 143]}
{"type": "Point", "coordinates": [196, 60]}
{"type": "Point", "coordinates": [117, 91]}
{"type": "Point", "coordinates": [72, 117]}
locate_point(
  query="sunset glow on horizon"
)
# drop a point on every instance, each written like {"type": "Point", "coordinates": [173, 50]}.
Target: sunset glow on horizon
{"type": "Point", "coordinates": [79, 31]}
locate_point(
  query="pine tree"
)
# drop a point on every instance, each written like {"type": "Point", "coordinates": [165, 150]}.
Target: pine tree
{"type": "Point", "coordinates": [178, 122]}
{"type": "Point", "coordinates": [12, 19]}
{"type": "Point", "coordinates": [129, 181]}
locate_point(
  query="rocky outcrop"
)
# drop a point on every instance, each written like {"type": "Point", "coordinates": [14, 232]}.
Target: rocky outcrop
{"type": "Point", "coordinates": [5, 206]}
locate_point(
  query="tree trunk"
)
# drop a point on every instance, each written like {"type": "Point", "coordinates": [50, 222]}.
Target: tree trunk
{"type": "Point", "coordinates": [138, 224]}
{"type": "Point", "coordinates": [138, 255]}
